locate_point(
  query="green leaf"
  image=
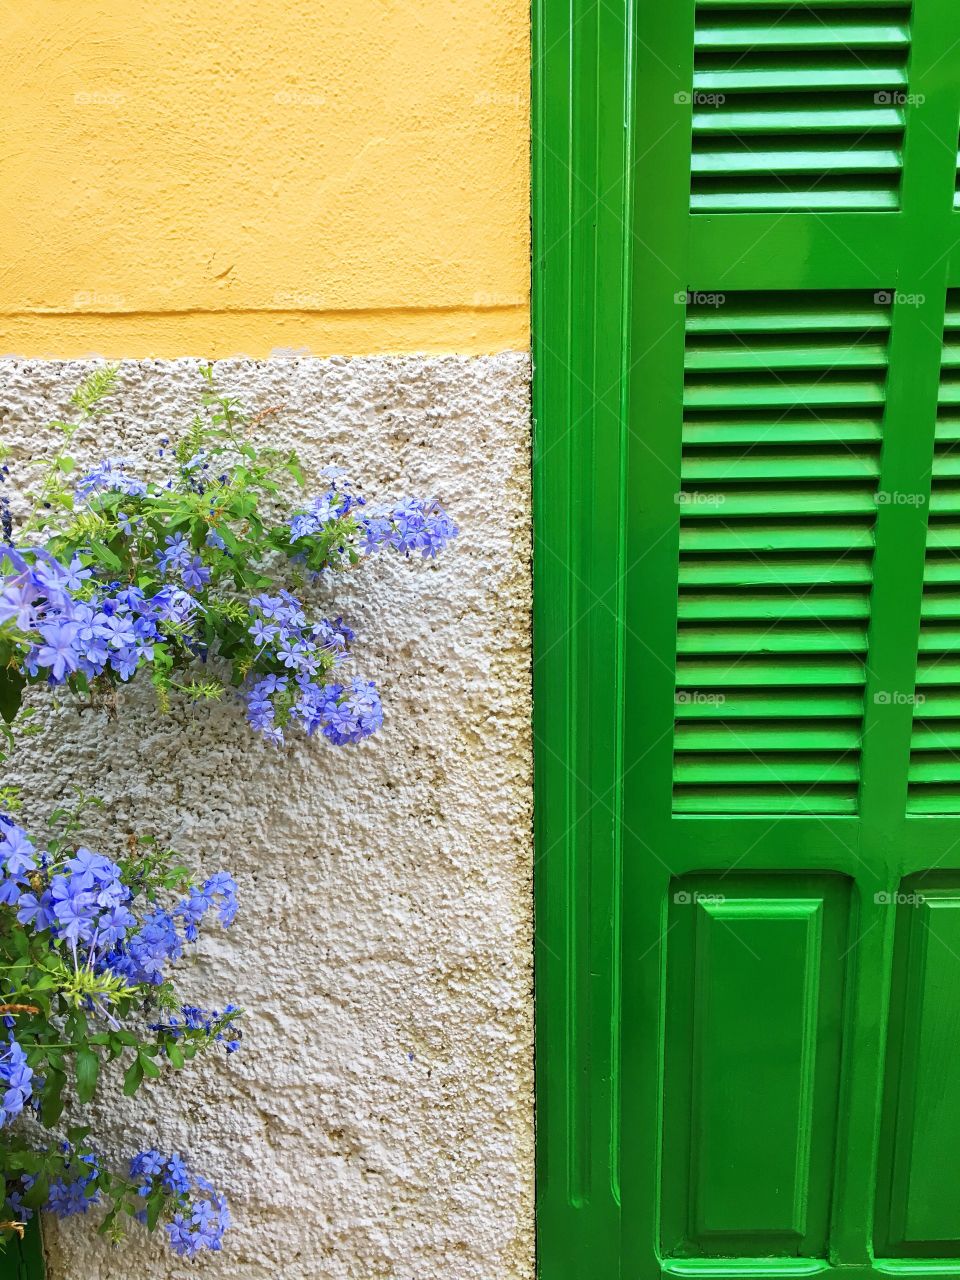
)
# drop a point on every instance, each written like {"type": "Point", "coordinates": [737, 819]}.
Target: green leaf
{"type": "Point", "coordinates": [175, 1054]}
{"type": "Point", "coordinates": [11, 693]}
{"type": "Point", "coordinates": [133, 1078]}
{"type": "Point", "coordinates": [154, 1208]}
{"type": "Point", "coordinates": [88, 1068]}
{"type": "Point", "coordinates": [105, 555]}
{"type": "Point", "coordinates": [38, 1193]}
{"type": "Point", "coordinates": [147, 1065]}
{"type": "Point", "coordinates": [51, 1106]}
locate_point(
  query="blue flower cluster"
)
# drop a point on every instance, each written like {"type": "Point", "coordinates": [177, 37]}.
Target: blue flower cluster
{"type": "Point", "coordinates": [338, 501]}
{"type": "Point", "coordinates": [342, 713]}
{"type": "Point", "coordinates": [143, 957]}
{"type": "Point", "coordinates": [110, 476]}
{"type": "Point", "coordinates": [415, 525]}
{"type": "Point", "coordinates": [16, 1081]}
{"type": "Point", "coordinates": [66, 1196]}
{"type": "Point", "coordinates": [72, 1196]}
{"type": "Point", "coordinates": [85, 903]}
{"type": "Point", "coordinates": [202, 1215]}
{"type": "Point", "coordinates": [179, 557]}
{"type": "Point", "coordinates": [113, 628]}
{"type": "Point", "coordinates": [214, 1024]}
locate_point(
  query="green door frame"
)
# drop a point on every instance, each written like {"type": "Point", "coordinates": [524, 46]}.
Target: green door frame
{"type": "Point", "coordinates": [23, 1259]}
{"type": "Point", "coordinates": [606, 77]}
{"type": "Point", "coordinates": [583, 252]}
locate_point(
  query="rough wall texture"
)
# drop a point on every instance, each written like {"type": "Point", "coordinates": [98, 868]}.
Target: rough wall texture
{"type": "Point", "coordinates": [378, 1121]}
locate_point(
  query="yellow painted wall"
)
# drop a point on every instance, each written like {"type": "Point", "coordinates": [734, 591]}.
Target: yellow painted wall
{"type": "Point", "coordinates": [218, 177]}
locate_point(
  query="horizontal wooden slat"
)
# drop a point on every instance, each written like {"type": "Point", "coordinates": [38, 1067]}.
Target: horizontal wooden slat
{"type": "Point", "coordinates": [796, 31]}
{"type": "Point", "coordinates": [939, 639]}
{"type": "Point", "coordinates": [936, 735]}
{"type": "Point", "coordinates": [739, 356]}
{"type": "Point", "coordinates": [843, 200]}
{"type": "Point", "coordinates": [937, 769]}
{"type": "Point", "coordinates": [783, 393]}
{"type": "Point", "coordinates": [938, 704]}
{"type": "Point", "coordinates": [710, 502]}
{"type": "Point", "coordinates": [752, 737]}
{"type": "Point", "coordinates": [772, 314]}
{"type": "Point", "coordinates": [933, 800]}
{"type": "Point", "coordinates": [787, 572]}
{"type": "Point", "coordinates": [770, 639]}
{"type": "Point", "coordinates": [735, 704]}
{"type": "Point", "coordinates": [943, 535]}
{"type": "Point", "coordinates": [796, 159]}
{"type": "Point", "coordinates": [774, 767]}
{"type": "Point", "coordinates": [787, 606]}
{"type": "Point", "coordinates": [815, 466]}
{"type": "Point", "coordinates": [716, 673]}
{"type": "Point", "coordinates": [941, 670]}
{"type": "Point", "coordinates": [942, 568]}
{"type": "Point", "coordinates": [723, 431]}
{"type": "Point", "coordinates": [821, 800]}
{"type": "Point", "coordinates": [753, 535]}
{"type": "Point", "coordinates": [783, 75]}
{"type": "Point", "coordinates": [775, 118]}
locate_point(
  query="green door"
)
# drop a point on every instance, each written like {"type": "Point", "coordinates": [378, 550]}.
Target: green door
{"type": "Point", "coordinates": [747, 346]}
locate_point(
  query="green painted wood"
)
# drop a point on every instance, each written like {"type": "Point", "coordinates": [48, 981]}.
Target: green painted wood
{"type": "Point", "coordinates": [747, 564]}
{"type": "Point", "coordinates": [23, 1259]}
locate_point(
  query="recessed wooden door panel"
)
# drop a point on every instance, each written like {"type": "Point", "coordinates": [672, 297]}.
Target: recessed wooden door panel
{"type": "Point", "coordinates": [920, 1124]}
{"type": "Point", "coordinates": [755, 995]}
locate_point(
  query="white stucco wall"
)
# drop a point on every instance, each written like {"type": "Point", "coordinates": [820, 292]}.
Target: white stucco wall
{"type": "Point", "coordinates": [378, 1121]}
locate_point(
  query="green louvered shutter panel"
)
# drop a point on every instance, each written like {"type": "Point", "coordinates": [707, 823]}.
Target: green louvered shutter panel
{"type": "Point", "coordinates": [748, 467]}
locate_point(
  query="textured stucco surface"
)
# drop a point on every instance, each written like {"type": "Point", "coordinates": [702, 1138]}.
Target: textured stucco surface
{"type": "Point", "coordinates": [230, 178]}
{"type": "Point", "coordinates": [379, 1120]}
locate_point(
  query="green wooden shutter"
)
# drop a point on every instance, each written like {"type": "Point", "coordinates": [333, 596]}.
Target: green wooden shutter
{"type": "Point", "coordinates": [747, 395]}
